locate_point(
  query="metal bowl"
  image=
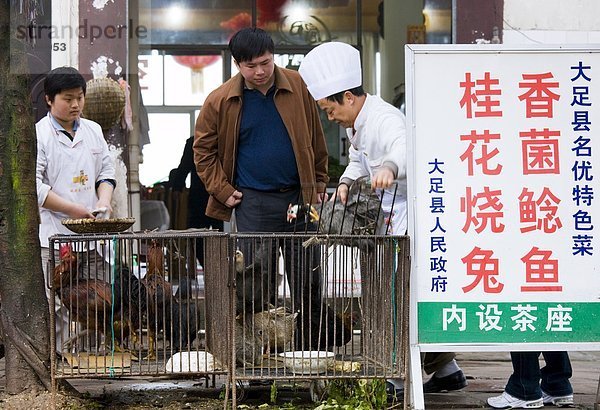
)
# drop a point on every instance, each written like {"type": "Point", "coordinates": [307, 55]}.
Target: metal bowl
{"type": "Point", "coordinates": [308, 361]}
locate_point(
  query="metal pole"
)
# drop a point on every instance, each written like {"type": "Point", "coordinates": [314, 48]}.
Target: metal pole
{"type": "Point", "coordinates": [597, 404]}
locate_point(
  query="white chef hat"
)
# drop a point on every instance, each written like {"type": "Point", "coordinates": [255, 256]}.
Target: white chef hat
{"type": "Point", "coordinates": [331, 68]}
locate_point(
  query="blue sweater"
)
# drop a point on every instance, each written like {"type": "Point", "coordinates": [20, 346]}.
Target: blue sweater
{"type": "Point", "coordinates": [265, 159]}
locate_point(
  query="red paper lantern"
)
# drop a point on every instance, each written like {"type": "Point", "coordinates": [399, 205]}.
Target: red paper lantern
{"type": "Point", "coordinates": [197, 64]}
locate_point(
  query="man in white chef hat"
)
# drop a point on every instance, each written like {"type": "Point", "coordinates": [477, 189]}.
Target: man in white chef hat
{"type": "Point", "coordinates": [377, 134]}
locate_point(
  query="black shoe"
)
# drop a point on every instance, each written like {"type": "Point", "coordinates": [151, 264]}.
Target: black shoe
{"type": "Point", "coordinates": [394, 393]}
{"type": "Point", "coordinates": [454, 381]}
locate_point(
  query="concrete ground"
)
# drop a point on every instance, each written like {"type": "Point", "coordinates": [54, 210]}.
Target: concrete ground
{"type": "Point", "coordinates": [487, 373]}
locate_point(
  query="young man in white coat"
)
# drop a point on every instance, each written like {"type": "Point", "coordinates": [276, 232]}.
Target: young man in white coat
{"type": "Point", "coordinates": [377, 134]}
{"type": "Point", "coordinates": [75, 175]}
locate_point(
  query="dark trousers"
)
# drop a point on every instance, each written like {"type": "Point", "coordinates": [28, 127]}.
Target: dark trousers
{"type": "Point", "coordinates": [524, 383]}
{"type": "Point", "coordinates": [265, 212]}
{"type": "Point", "coordinates": [434, 361]}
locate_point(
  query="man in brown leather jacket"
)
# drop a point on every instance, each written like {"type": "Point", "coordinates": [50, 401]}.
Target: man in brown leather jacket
{"type": "Point", "coordinates": [221, 123]}
{"type": "Point", "coordinates": [258, 147]}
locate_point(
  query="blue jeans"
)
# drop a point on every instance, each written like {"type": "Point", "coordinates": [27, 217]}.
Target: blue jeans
{"type": "Point", "coordinates": [524, 383]}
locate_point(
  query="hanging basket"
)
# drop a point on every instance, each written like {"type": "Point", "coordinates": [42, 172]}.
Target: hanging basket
{"type": "Point", "coordinates": [104, 102]}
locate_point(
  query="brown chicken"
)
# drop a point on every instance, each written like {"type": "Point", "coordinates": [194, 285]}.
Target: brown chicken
{"type": "Point", "coordinates": [130, 305]}
{"type": "Point", "coordinates": [88, 301]}
{"type": "Point", "coordinates": [159, 294]}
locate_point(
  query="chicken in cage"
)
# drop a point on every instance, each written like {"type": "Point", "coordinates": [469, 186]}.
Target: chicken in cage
{"type": "Point", "coordinates": [159, 295]}
{"type": "Point", "coordinates": [277, 326]}
{"type": "Point", "coordinates": [362, 214]}
{"type": "Point", "coordinates": [316, 323]}
{"type": "Point", "coordinates": [252, 280]}
{"type": "Point", "coordinates": [88, 301]}
{"type": "Point", "coordinates": [131, 304]}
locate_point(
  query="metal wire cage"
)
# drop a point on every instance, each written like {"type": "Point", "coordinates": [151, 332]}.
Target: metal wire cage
{"type": "Point", "coordinates": [263, 307]}
{"type": "Point", "coordinates": [133, 304]}
{"type": "Point", "coordinates": [319, 310]}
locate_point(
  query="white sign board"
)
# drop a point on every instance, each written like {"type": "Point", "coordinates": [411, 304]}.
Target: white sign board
{"type": "Point", "coordinates": [504, 197]}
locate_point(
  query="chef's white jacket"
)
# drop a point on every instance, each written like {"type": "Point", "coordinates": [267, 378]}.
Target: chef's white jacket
{"type": "Point", "coordinates": [70, 169]}
{"type": "Point", "coordinates": [379, 137]}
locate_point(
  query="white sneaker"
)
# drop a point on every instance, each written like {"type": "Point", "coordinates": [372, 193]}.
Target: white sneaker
{"type": "Point", "coordinates": [559, 401]}
{"type": "Point", "coordinates": [506, 401]}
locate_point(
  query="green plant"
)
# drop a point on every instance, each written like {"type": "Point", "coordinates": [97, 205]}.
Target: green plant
{"type": "Point", "coordinates": [357, 394]}
{"type": "Point", "coordinates": [273, 392]}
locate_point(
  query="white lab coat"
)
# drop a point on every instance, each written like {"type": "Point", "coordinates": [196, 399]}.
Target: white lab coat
{"type": "Point", "coordinates": [70, 168]}
{"type": "Point", "coordinates": [379, 136]}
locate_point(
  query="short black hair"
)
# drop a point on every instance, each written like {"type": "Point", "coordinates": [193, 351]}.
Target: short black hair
{"type": "Point", "coordinates": [249, 43]}
{"type": "Point", "coordinates": [62, 78]}
{"type": "Point", "coordinates": [339, 97]}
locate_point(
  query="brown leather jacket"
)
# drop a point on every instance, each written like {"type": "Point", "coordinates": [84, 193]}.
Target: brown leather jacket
{"type": "Point", "coordinates": [217, 132]}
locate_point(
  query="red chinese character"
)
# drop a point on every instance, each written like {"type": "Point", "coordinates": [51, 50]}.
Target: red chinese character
{"type": "Point", "coordinates": [485, 268]}
{"type": "Point", "coordinates": [469, 96]}
{"type": "Point", "coordinates": [540, 151]}
{"type": "Point", "coordinates": [490, 209]}
{"type": "Point", "coordinates": [541, 272]}
{"type": "Point", "coordinates": [481, 97]}
{"type": "Point", "coordinates": [547, 203]}
{"type": "Point", "coordinates": [527, 210]}
{"type": "Point", "coordinates": [485, 156]}
{"type": "Point", "coordinates": [539, 97]}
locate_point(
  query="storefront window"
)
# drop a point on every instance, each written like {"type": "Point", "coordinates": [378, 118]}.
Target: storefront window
{"type": "Point", "coordinates": [179, 79]}
{"type": "Point", "coordinates": [194, 21]}
{"type": "Point", "coordinates": [290, 22]}
{"type": "Point", "coordinates": [168, 133]}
